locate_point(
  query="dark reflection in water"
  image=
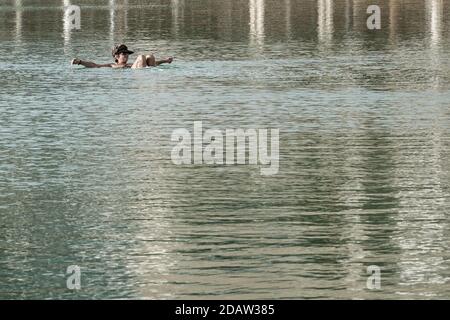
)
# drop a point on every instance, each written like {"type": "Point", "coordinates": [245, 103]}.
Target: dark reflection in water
{"type": "Point", "coordinates": [86, 177]}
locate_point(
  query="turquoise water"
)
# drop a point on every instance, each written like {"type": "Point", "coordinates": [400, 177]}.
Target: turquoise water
{"type": "Point", "coordinates": [86, 176]}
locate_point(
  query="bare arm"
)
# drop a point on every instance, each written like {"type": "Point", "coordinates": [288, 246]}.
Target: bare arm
{"type": "Point", "coordinates": [88, 64]}
{"type": "Point", "coordinates": [168, 60]}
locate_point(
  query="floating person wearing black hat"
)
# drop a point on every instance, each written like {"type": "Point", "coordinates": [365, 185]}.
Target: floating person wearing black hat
{"type": "Point", "coordinates": [120, 54]}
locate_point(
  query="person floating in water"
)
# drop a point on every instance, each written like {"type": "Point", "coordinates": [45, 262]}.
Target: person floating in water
{"type": "Point", "coordinates": [120, 54]}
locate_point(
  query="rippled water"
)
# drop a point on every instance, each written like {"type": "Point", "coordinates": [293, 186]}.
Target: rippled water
{"type": "Point", "coordinates": [86, 176]}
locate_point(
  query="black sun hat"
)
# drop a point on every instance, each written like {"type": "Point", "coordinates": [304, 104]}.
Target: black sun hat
{"type": "Point", "coordinates": [120, 48]}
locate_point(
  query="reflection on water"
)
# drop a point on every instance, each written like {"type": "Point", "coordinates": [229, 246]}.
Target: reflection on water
{"type": "Point", "coordinates": [19, 13]}
{"type": "Point", "coordinates": [177, 16]}
{"type": "Point", "coordinates": [256, 8]}
{"type": "Point", "coordinates": [288, 18]}
{"type": "Point", "coordinates": [86, 176]}
{"type": "Point", "coordinates": [434, 8]}
{"type": "Point", "coordinates": [435, 11]}
{"type": "Point", "coordinates": [112, 11]}
{"type": "Point", "coordinates": [420, 232]}
{"type": "Point", "coordinates": [68, 21]}
{"type": "Point", "coordinates": [325, 21]}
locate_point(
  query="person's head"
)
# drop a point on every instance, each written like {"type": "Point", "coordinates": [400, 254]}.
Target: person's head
{"type": "Point", "coordinates": [120, 53]}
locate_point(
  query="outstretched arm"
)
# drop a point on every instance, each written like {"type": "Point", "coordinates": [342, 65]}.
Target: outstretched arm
{"type": "Point", "coordinates": [167, 60]}
{"type": "Point", "coordinates": [88, 64]}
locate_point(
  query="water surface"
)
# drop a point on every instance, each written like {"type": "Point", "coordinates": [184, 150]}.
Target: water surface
{"type": "Point", "coordinates": [85, 171]}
